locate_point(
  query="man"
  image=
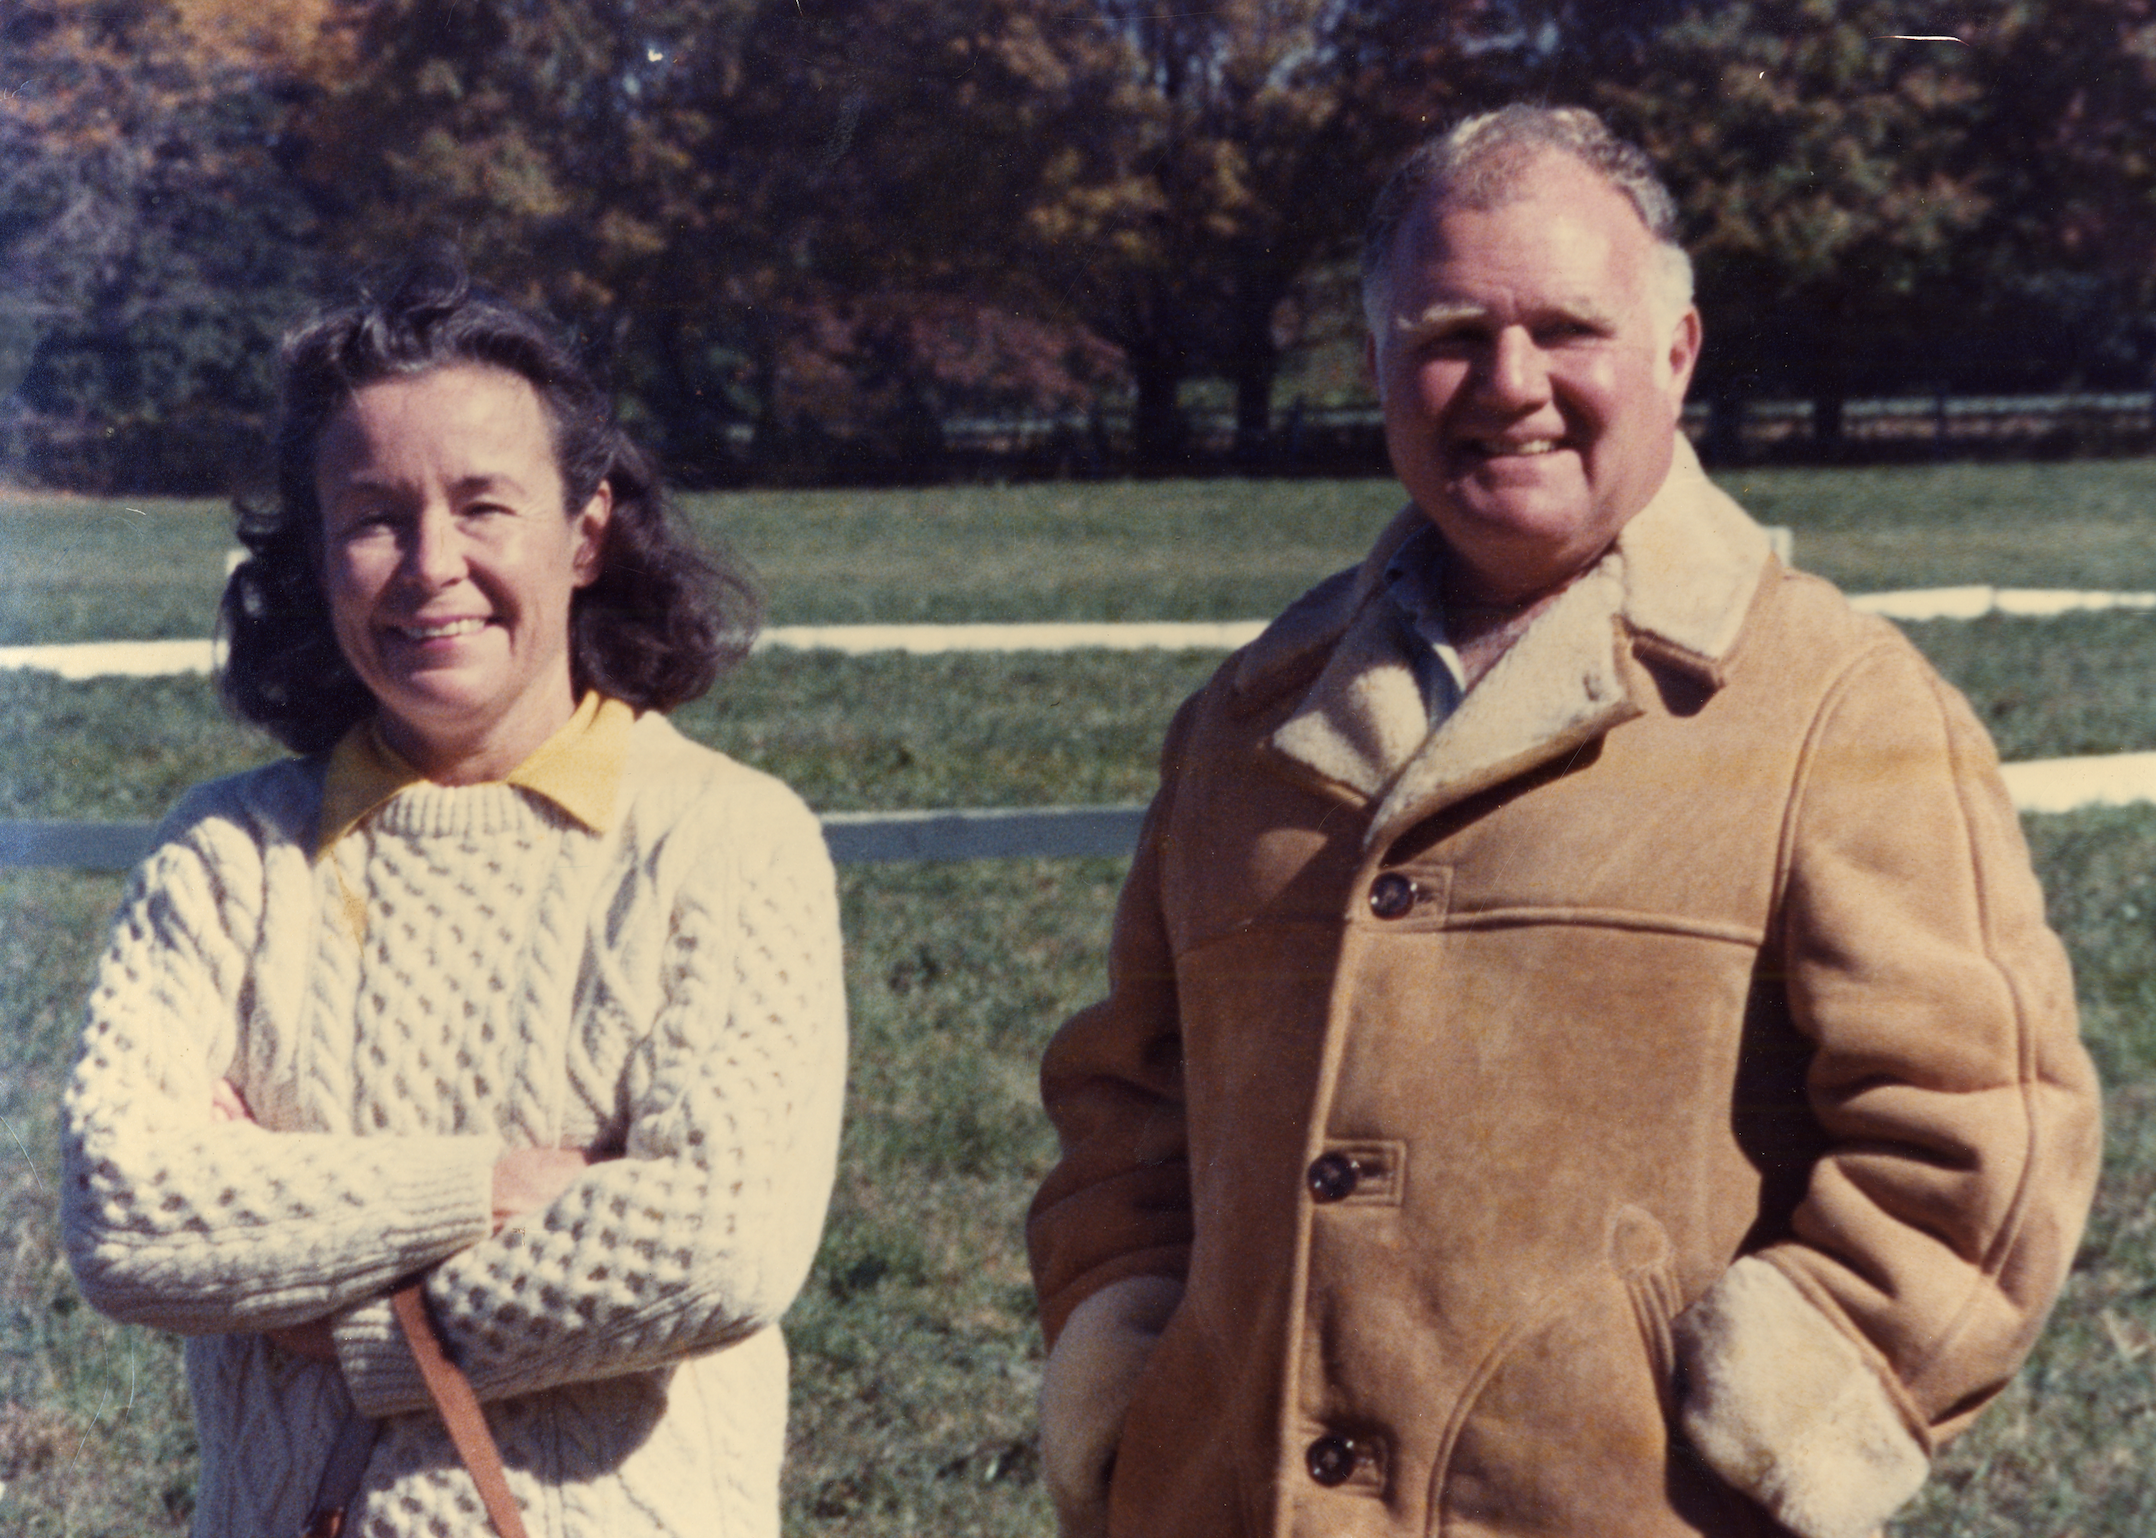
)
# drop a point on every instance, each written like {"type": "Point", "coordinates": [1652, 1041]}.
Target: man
{"type": "Point", "coordinates": [1583, 1053]}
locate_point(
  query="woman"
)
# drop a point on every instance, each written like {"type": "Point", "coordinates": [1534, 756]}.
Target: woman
{"type": "Point", "coordinates": [504, 978]}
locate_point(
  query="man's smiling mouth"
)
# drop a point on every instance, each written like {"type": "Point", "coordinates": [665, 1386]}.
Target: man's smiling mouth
{"type": "Point", "coordinates": [1495, 448]}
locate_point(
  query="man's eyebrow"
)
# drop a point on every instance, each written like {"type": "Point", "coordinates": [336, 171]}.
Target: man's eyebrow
{"type": "Point", "coordinates": [1446, 314]}
{"type": "Point", "coordinates": [1438, 317]}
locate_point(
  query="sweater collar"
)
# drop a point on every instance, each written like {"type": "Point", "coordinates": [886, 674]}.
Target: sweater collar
{"type": "Point", "coordinates": [1674, 588]}
{"type": "Point", "coordinates": [579, 769]}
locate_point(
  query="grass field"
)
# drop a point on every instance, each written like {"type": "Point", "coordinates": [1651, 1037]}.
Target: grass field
{"type": "Point", "coordinates": [916, 1355]}
{"type": "Point", "coordinates": [84, 570]}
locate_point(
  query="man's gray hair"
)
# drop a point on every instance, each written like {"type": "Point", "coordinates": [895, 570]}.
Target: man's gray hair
{"type": "Point", "coordinates": [1482, 162]}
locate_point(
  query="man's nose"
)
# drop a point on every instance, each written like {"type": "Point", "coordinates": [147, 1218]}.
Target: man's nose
{"type": "Point", "coordinates": [434, 553]}
{"type": "Point", "coordinates": [1517, 375]}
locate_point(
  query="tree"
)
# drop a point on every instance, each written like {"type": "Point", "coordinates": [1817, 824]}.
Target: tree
{"type": "Point", "coordinates": [2069, 247]}
{"type": "Point", "coordinates": [1831, 180]}
{"type": "Point", "coordinates": [763, 211]}
{"type": "Point", "coordinates": [1226, 151]}
{"type": "Point", "coordinates": [152, 245]}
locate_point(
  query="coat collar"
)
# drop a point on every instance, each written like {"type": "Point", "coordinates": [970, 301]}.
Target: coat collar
{"type": "Point", "coordinates": [1675, 586]}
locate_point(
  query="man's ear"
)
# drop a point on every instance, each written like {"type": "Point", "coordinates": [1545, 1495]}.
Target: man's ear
{"type": "Point", "coordinates": [1683, 354]}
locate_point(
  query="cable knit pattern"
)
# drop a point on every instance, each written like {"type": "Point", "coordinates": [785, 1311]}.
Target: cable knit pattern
{"type": "Point", "coordinates": [668, 990]}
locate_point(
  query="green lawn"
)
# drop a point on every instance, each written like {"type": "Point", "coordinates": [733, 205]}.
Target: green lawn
{"type": "Point", "coordinates": [916, 1355]}
{"type": "Point", "coordinates": [986, 729]}
{"type": "Point", "coordinates": [79, 569]}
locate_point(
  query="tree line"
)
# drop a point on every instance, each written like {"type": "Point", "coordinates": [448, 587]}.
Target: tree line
{"type": "Point", "coordinates": [804, 235]}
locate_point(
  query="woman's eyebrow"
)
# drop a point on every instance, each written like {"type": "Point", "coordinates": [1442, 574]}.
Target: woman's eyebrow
{"type": "Point", "coordinates": [484, 482]}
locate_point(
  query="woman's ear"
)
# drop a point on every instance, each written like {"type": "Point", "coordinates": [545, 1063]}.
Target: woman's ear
{"type": "Point", "coordinates": [591, 535]}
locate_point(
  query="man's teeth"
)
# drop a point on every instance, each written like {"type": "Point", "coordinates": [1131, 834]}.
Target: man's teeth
{"type": "Point", "coordinates": [1529, 446]}
{"type": "Point", "coordinates": [438, 632]}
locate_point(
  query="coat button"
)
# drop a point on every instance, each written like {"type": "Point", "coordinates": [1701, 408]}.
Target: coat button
{"type": "Point", "coordinates": [1333, 1177]}
{"type": "Point", "coordinates": [1391, 895]}
{"type": "Point", "coordinates": [1332, 1460]}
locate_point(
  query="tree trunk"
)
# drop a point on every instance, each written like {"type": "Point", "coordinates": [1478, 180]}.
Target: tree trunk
{"type": "Point", "coordinates": [1254, 358]}
{"type": "Point", "coordinates": [1254, 408]}
{"type": "Point", "coordinates": [1827, 418]}
{"type": "Point", "coordinates": [1725, 429]}
{"type": "Point", "coordinates": [1160, 436]}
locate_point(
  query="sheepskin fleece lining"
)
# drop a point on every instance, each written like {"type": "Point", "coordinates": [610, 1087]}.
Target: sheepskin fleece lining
{"type": "Point", "coordinates": [1681, 575]}
{"type": "Point", "coordinates": [1558, 684]}
{"type": "Point", "coordinates": [1086, 1391]}
{"type": "Point", "coordinates": [1786, 1408]}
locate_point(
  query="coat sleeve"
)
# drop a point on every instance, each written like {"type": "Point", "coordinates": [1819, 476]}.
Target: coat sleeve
{"type": "Point", "coordinates": [1109, 1232]}
{"type": "Point", "coordinates": [178, 1222]}
{"type": "Point", "coordinates": [1959, 1111]}
{"type": "Point", "coordinates": [701, 1234]}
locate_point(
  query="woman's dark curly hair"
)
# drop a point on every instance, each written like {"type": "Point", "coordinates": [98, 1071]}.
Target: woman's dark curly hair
{"type": "Point", "coordinates": [657, 626]}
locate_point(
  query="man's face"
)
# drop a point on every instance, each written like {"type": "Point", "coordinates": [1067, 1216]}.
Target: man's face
{"type": "Point", "coordinates": [1530, 382]}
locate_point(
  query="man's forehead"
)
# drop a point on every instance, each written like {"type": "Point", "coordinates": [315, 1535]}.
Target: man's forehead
{"type": "Point", "coordinates": [1575, 196]}
{"type": "Point", "coordinates": [1561, 251]}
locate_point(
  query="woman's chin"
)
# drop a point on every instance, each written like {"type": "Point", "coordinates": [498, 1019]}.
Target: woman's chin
{"type": "Point", "coordinates": [427, 722]}
{"type": "Point", "coordinates": [445, 725]}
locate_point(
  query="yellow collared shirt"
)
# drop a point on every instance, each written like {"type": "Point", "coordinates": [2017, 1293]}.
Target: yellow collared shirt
{"type": "Point", "coordinates": [579, 769]}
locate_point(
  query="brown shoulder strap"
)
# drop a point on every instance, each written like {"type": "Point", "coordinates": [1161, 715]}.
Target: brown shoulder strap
{"type": "Point", "coordinates": [459, 1407]}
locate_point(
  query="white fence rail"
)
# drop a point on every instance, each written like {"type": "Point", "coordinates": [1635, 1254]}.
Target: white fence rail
{"type": "Point", "coordinates": [1048, 832]}
{"type": "Point", "coordinates": [856, 838]}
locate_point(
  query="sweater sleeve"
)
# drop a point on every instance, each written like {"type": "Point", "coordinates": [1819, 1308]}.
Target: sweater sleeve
{"type": "Point", "coordinates": [1958, 1110]}
{"type": "Point", "coordinates": [1117, 1204]}
{"type": "Point", "coordinates": [176, 1221]}
{"type": "Point", "coordinates": [704, 1231]}
{"type": "Point", "coordinates": [1109, 1232]}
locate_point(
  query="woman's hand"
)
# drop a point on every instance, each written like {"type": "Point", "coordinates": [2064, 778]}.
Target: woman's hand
{"type": "Point", "coordinates": [526, 1180]}
{"type": "Point", "coordinates": [228, 1104]}
{"type": "Point", "coordinates": [312, 1339]}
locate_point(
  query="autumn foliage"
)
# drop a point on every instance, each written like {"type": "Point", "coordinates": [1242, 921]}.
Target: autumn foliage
{"type": "Point", "coordinates": [808, 236]}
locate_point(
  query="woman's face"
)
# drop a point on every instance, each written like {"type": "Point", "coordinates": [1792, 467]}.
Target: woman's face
{"type": "Point", "coordinates": [449, 564]}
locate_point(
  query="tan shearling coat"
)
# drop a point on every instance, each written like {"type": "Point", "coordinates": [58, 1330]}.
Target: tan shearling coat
{"type": "Point", "coordinates": [1649, 1104]}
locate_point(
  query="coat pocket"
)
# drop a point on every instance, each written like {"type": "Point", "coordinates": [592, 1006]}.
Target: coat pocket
{"type": "Point", "coordinates": [1566, 1429]}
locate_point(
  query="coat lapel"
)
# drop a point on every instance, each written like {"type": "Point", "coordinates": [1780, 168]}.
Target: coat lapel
{"type": "Point", "coordinates": [1364, 716]}
{"type": "Point", "coordinates": [1557, 689]}
{"type": "Point", "coordinates": [1675, 587]}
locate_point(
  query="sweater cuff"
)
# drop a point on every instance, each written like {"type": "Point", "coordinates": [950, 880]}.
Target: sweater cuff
{"type": "Point", "coordinates": [1091, 1378]}
{"type": "Point", "coordinates": [441, 1190]}
{"type": "Point", "coordinates": [1786, 1408]}
{"type": "Point", "coordinates": [444, 1190]}
{"type": "Point", "coordinates": [379, 1370]}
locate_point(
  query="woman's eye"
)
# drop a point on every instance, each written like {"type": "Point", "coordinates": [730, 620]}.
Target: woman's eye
{"type": "Point", "coordinates": [362, 525]}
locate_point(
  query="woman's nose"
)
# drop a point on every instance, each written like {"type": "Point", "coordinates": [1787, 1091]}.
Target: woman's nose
{"type": "Point", "coordinates": [434, 555]}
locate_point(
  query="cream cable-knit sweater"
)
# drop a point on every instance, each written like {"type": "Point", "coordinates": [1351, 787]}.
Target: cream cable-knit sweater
{"type": "Point", "coordinates": [668, 990]}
